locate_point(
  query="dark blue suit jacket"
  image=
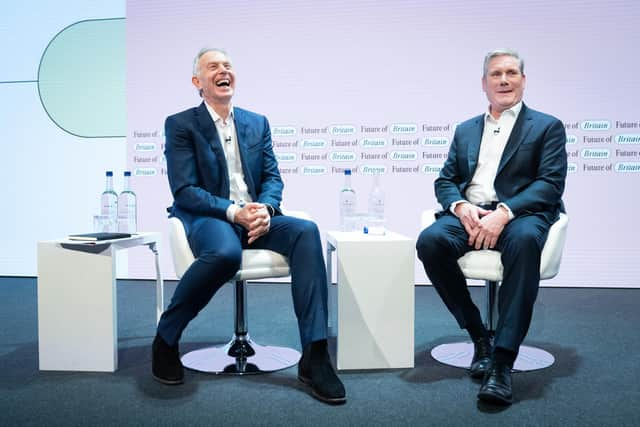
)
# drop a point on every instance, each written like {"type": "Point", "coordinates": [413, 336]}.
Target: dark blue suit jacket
{"type": "Point", "coordinates": [532, 171]}
{"type": "Point", "coordinates": [197, 168]}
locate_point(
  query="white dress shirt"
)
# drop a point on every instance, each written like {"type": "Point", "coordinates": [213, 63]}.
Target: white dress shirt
{"type": "Point", "coordinates": [494, 139]}
{"type": "Point", "coordinates": [238, 190]}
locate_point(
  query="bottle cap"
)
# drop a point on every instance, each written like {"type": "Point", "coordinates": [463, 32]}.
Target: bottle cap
{"type": "Point", "coordinates": [127, 173]}
{"type": "Point", "coordinates": [347, 171]}
{"type": "Point", "coordinates": [109, 173]}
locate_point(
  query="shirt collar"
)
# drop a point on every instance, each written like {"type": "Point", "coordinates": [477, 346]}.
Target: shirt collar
{"type": "Point", "coordinates": [215, 115]}
{"type": "Point", "coordinates": [514, 111]}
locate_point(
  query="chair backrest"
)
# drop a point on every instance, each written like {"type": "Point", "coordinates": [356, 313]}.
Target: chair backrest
{"type": "Point", "coordinates": [180, 249]}
{"type": "Point", "coordinates": [553, 247]}
{"type": "Point", "coordinates": [486, 264]}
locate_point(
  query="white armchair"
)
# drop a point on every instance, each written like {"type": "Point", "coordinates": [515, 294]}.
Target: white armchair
{"type": "Point", "coordinates": [241, 355]}
{"type": "Point", "coordinates": [486, 265]}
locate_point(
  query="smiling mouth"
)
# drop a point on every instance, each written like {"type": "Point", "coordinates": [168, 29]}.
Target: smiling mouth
{"type": "Point", "coordinates": [223, 83]}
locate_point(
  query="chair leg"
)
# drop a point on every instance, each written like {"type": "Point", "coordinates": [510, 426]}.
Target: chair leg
{"type": "Point", "coordinates": [241, 355]}
{"type": "Point", "coordinates": [492, 307]}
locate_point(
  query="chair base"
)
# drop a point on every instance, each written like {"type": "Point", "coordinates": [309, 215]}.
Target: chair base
{"type": "Point", "coordinates": [460, 355]}
{"type": "Point", "coordinates": [240, 356]}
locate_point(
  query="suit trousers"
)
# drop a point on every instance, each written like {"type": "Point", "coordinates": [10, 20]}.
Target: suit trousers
{"type": "Point", "coordinates": [218, 245]}
{"type": "Point", "coordinates": [440, 245]}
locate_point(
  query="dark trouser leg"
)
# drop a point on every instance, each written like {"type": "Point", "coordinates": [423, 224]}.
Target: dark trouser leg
{"type": "Point", "coordinates": [299, 241]}
{"type": "Point", "coordinates": [217, 247]}
{"type": "Point", "coordinates": [520, 244]}
{"type": "Point", "coordinates": [439, 246]}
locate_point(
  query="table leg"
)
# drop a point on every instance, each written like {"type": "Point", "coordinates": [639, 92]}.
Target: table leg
{"type": "Point", "coordinates": [159, 283]}
{"type": "Point", "coordinates": [332, 303]}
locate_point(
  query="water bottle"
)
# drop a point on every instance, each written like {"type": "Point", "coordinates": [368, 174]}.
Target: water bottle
{"type": "Point", "coordinates": [376, 208]}
{"type": "Point", "coordinates": [109, 204]}
{"type": "Point", "coordinates": [127, 207]}
{"type": "Point", "coordinates": [347, 204]}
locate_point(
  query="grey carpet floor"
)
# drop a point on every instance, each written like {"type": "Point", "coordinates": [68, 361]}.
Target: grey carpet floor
{"type": "Point", "coordinates": [593, 333]}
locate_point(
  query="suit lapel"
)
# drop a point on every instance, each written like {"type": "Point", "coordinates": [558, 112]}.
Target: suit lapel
{"type": "Point", "coordinates": [474, 144]}
{"type": "Point", "coordinates": [520, 130]}
{"type": "Point", "coordinates": [208, 128]}
{"type": "Point", "coordinates": [241, 132]}
{"type": "Point", "coordinates": [210, 134]}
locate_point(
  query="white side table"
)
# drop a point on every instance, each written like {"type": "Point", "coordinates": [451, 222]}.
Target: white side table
{"type": "Point", "coordinates": [77, 304]}
{"type": "Point", "coordinates": [375, 299]}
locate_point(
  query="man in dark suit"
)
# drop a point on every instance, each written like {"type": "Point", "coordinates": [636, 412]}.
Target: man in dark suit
{"type": "Point", "coordinates": [500, 188]}
{"type": "Point", "coordinates": [227, 190]}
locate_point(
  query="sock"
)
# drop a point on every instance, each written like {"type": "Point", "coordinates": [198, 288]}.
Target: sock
{"type": "Point", "coordinates": [477, 330]}
{"type": "Point", "coordinates": [504, 356]}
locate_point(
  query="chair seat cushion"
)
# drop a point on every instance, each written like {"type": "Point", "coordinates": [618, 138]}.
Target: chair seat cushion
{"type": "Point", "coordinates": [482, 265]}
{"type": "Point", "coordinates": [262, 263]}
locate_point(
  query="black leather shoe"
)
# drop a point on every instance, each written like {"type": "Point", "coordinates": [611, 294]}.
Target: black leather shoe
{"type": "Point", "coordinates": [496, 386]}
{"type": "Point", "coordinates": [315, 370]}
{"type": "Point", "coordinates": [165, 362]}
{"type": "Point", "coordinates": [481, 358]}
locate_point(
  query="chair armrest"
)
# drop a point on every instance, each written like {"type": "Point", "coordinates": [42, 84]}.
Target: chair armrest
{"type": "Point", "coordinates": [427, 218]}
{"type": "Point", "coordinates": [553, 247]}
{"type": "Point", "coordinates": [297, 214]}
{"type": "Point", "coordinates": [180, 249]}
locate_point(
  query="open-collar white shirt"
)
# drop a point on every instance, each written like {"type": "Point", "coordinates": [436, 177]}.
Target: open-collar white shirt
{"type": "Point", "coordinates": [494, 139]}
{"type": "Point", "coordinates": [495, 135]}
{"type": "Point", "coordinates": [238, 190]}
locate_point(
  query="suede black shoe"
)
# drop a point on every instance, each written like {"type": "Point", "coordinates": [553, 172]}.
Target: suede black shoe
{"type": "Point", "coordinates": [496, 386]}
{"type": "Point", "coordinates": [481, 358]}
{"type": "Point", "coordinates": [315, 370]}
{"type": "Point", "coordinates": [165, 362]}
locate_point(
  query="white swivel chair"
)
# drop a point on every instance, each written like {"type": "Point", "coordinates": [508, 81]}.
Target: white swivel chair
{"type": "Point", "coordinates": [241, 355]}
{"type": "Point", "coordinates": [486, 265]}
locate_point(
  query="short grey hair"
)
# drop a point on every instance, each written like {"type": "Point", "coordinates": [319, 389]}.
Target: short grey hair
{"type": "Point", "coordinates": [501, 52]}
{"type": "Point", "coordinates": [203, 51]}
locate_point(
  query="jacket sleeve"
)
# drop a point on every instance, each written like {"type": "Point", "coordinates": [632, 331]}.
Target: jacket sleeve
{"type": "Point", "coordinates": [544, 191]}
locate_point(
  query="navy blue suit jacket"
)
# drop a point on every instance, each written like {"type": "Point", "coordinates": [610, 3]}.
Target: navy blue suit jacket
{"type": "Point", "coordinates": [532, 171]}
{"type": "Point", "coordinates": [197, 168]}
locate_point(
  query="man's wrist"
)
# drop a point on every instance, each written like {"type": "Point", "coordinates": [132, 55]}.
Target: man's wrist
{"type": "Point", "coordinates": [455, 204]}
{"type": "Point", "coordinates": [505, 209]}
{"type": "Point", "coordinates": [270, 209]}
{"type": "Point", "coordinates": [231, 212]}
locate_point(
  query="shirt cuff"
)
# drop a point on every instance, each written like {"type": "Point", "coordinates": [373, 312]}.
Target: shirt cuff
{"type": "Point", "coordinates": [231, 212]}
{"type": "Point", "coordinates": [452, 207]}
{"type": "Point", "coordinates": [511, 215]}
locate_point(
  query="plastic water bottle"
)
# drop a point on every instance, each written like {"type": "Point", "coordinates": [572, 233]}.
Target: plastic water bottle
{"type": "Point", "coordinates": [347, 204]}
{"type": "Point", "coordinates": [127, 207]}
{"type": "Point", "coordinates": [376, 208]}
{"type": "Point", "coordinates": [109, 203]}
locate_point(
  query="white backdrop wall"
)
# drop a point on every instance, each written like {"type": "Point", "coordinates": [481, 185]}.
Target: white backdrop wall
{"type": "Point", "coordinates": [409, 68]}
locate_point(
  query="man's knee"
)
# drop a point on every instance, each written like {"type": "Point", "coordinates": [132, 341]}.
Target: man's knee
{"type": "Point", "coordinates": [307, 229]}
{"type": "Point", "coordinates": [228, 259]}
{"type": "Point", "coordinates": [526, 241]}
{"type": "Point", "coordinates": [430, 243]}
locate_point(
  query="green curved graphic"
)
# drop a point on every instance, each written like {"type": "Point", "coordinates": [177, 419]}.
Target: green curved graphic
{"type": "Point", "coordinates": [81, 79]}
